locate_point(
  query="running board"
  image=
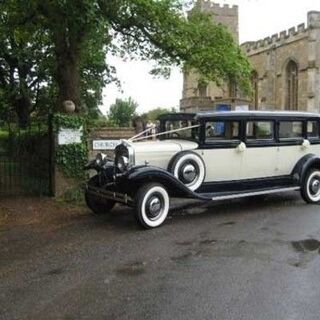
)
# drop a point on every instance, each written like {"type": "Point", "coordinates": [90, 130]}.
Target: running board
{"type": "Point", "coordinates": [255, 193]}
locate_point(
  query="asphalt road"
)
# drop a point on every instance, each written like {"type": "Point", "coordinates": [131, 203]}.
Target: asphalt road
{"type": "Point", "coordinates": [256, 258]}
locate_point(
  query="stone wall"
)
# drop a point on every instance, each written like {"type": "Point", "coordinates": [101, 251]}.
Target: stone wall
{"type": "Point", "coordinates": [107, 134]}
{"type": "Point", "coordinates": [228, 16]}
{"type": "Point", "coordinates": [269, 58]}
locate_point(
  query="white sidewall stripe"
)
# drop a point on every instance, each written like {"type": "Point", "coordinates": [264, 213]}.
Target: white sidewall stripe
{"type": "Point", "coordinates": [160, 220]}
{"type": "Point", "coordinates": [198, 181]}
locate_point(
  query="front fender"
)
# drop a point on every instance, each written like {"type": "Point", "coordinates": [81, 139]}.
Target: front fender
{"type": "Point", "coordinates": [139, 175]}
{"type": "Point", "coordinates": [303, 165]}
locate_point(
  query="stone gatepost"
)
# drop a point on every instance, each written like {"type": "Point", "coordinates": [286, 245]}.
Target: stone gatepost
{"type": "Point", "coordinates": [70, 155]}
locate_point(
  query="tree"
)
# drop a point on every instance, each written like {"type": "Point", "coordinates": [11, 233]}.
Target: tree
{"type": "Point", "coordinates": [29, 72]}
{"type": "Point", "coordinates": [153, 114]}
{"type": "Point", "coordinates": [147, 29]}
{"type": "Point", "coordinates": [25, 60]}
{"type": "Point", "coordinates": [121, 113]}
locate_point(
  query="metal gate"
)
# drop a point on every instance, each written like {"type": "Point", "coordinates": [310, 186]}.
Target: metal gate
{"type": "Point", "coordinates": [26, 158]}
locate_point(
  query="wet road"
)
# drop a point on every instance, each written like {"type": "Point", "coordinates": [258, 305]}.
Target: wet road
{"type": "Point", "coordinates": [256, 258]}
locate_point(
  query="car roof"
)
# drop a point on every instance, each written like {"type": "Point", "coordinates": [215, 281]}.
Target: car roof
{"type": "Point", "coordinates": [176, 116]}
{"type": "Point", "coordinates": [255, 114]}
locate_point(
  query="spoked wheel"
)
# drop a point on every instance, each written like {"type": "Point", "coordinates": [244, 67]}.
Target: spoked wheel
{"type": "Point", "coordinates": [152, 205]}
{"type": "Point", "coordinates": [310, 190]}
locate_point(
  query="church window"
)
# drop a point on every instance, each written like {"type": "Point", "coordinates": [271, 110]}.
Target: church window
{"type": "Point", "coordinates": [292, 81]}
{"type": "Point", "coordinates": [202, 88]}
{"type": "Point", "coordinates": [232, 89]}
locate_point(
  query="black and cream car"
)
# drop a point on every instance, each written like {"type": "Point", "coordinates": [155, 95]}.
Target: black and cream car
{"type": "Point", "coordinates": [210, 156]}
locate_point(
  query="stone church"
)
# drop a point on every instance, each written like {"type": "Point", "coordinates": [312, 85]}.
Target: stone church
{"type": "Point", "coordinates": [285, 66]}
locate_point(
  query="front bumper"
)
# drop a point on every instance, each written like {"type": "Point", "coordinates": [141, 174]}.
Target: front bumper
{"type": "Point", "coordinates": [109, 193]}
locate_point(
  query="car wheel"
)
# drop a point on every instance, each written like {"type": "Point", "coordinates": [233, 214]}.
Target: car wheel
{"type": "Point", "coordinates": [95, 204]}
{"type": "Point", "coordinates": [152, 205]}
{"type": "Point", "coordinates": [310, 190]}
{"type": "Point", "coordinates": [189, 168]}
{"type": "Point", "coordinates": [98, 206]}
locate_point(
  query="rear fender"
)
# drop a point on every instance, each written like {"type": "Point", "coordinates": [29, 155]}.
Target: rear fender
{"type": "Point", "coordinates": [303, 166]}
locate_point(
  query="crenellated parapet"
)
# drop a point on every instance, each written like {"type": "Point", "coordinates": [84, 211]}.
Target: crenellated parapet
{"type": "Point", "coordinates": [216, 8]}
{"type": "Point", "coordinates": [278, 39]}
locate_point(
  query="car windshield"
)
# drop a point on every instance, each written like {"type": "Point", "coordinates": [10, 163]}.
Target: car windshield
{"type": "Point", "coordinates": [188, 134]}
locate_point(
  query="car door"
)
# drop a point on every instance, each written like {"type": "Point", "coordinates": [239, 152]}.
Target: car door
{"type": "Point", "coordinates": [291, 148]}
{"type": "Point", "coordinates": [260, 154]}
{"type": "Point", "coordinates": [219, 150]}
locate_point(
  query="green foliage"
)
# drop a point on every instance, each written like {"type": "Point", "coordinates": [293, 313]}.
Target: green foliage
{"type": "Point", "coordinates": [73, 121]}
{"type": "Point", "coordinates": [71, 158]}
{"type": "Point", "coordinates": [153, 114]}
{"type": "Point", "coordinates": [159, 31]}
{"type": "Point", "coordinates": [122, 112]}
{"type": "Point", "coordinates": [26, 61]}
{"type": "Point", "coordinates": [99, 122]}
{"type": "Point", "coordinates": [74, 195]}
{"type": "Point", "coordinates": [52, 51]}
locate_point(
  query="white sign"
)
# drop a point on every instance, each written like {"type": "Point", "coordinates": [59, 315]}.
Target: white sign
{"type": "Point", "coordinates": [105, 144]}
{"type": "Point", "coordinates": [68, 136]}
{"type": "Point", "coordinates": [242, 108]}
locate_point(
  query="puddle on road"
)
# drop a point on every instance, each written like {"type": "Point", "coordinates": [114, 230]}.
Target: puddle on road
{"type": "Point", "coordinates": [208, 241]}
{"type": "Point", "coordinates": [182, 258]}
{"type": "Point", "coordinates": [184, 243]}
{"type": "Point", "coordinates": [229, 223]}
{"type": "Point", "coordinates": [54, 272]}
{"type": "Point", "coordinates": [132, 269]}
{"type": "Point", "coordinates": [306, 245]}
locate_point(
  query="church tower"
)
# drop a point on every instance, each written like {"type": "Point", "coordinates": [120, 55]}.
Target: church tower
{"type": "Point", "coordinates": [196, 95]}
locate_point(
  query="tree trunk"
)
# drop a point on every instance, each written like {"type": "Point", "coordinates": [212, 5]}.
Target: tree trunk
{"type": "Point", "coordinates": [68, 71]}
{"type": "Point", "coordinates": [22, 107]}
{"type": "Point", "coordinates": [68, 80]}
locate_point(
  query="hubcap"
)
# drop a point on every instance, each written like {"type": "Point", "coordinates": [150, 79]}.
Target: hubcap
{"type": "Point", "coordinates": [189, 172]}
{"type": "Point", "coordinates": [154, 206]}
{"type": "Point", "coordinates": [315, 185]}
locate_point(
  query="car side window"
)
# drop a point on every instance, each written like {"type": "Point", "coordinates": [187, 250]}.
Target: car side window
{"type": "Point", "coordinates": [221, 131]}
{"type": "Point", "coordinates": [259, 130]}
{"type": "Point", "coordinates": [313, 129]}
{"type": "Point", "coordinates": [290, 130]}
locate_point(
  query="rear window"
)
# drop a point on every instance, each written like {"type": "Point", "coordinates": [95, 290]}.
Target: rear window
{"type": "Point", "coordinates": [220, 131]}
{"type": "Point", "coordinates": [313, 129]}
{"type": "Point", "coordinates": [290, 130]}
{"type": "Point", "coordinates": [189, 134]}
{"type": "Point", "coordinates": [259, 130]}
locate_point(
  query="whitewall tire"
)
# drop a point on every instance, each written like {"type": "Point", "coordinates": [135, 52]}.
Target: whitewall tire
{"type": "Point", "coordinates": [310, 190]}
{"type": "Point", "coordinates": [189, 168]}
{"type": "Point", "coordinates": [152, 205]}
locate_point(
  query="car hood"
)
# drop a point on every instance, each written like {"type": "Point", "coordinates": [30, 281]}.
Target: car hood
{"type": "Point", "coordinates": [164, 145]}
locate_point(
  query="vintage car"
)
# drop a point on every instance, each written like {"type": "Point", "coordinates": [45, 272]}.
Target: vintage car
{"type": "Point", "coordinates": [210, 156]}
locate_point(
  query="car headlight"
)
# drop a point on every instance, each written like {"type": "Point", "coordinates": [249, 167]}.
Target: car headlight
{"type": "Point", "coordinates": [101, 159]}
{"type": "Point", "coordinates": [122, 163]}
{"type": "Point", "coordinates": [124, 158]}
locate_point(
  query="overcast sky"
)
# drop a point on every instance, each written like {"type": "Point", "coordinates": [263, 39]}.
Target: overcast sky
{"type": "Point", "coordinates": [257, 19]}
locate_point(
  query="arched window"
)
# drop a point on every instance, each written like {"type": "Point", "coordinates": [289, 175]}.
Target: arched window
{"type": "Point", "coordinates": [202, 89]}
{"type": "Point", "coordinates": [233, 90]}
{"type": "Point", "coordinates": [292, 81]}
{"type": "Point", "coordinates": [255, 87]}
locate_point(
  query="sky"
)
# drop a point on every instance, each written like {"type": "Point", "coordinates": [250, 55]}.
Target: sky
{"type": "Point", "coordinates": [257, 19]}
